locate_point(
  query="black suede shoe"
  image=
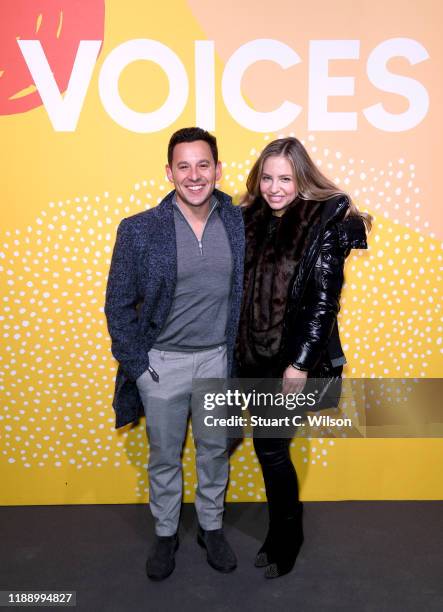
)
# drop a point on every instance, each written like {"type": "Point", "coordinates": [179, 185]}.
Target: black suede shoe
{"type": "Point", "coordinates": [161, 562]}
{"type": "Point", "coordinates": [219, 554]}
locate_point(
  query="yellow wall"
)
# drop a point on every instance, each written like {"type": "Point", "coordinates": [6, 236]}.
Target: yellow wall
{"type": "Point", "coordinates": [64, 193]}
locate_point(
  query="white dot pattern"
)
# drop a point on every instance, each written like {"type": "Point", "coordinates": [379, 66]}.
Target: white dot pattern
{"type": "Point", "coordinates": [56, 369]}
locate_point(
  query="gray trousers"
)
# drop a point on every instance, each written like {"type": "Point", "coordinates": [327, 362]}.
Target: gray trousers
{"type": "Point", "coordinates": [167, 406]}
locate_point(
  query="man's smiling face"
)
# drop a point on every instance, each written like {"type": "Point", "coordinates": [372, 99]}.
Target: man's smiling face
{"type": "Point", "coordinates": [193, 172]}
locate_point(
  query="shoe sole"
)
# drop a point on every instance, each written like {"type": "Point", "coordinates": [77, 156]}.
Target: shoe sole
{"type": "Point", "coordinates": [223, 570]}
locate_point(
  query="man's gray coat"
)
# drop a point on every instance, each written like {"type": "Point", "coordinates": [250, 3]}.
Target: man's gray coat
{"type": "Point", "coordinates": [141, 287]}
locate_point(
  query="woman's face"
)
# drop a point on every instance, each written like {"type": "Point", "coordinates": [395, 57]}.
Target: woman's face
{"type": "Point", "coordinates": [277, 184]}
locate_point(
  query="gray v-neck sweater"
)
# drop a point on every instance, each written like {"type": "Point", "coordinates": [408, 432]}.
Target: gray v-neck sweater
{"type": "Point", "coordinates": [199, 313]}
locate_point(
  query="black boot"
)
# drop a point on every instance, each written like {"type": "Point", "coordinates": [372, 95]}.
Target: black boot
{"type": "Point", "coordinates": [161, 563]}
{"type": "Point", "coordinates": [283, 547]}
{"type": "Point", "coordinates": [219, 554]}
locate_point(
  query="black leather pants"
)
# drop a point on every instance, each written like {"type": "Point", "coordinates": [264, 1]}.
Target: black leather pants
{"type": "Point", "coordinates": [280, 478]}
{"type": "Point", "coordinates": [273, 453]}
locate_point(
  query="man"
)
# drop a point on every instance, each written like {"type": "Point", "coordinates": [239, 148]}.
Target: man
{"type": "Point", "coordinates": [172, 306]}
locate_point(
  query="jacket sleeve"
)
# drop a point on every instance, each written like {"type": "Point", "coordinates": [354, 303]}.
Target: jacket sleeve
{"type": "Point", "coordinates": [319, 309]}
{"type": "Point", "coordinates": [122, 298]}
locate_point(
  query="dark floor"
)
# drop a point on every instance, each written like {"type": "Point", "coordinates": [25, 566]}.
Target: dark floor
{"type": "Point", "coordinates": [357, 556]}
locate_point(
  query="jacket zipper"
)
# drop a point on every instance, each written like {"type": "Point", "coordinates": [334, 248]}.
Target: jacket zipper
{"type": "Point", "coordinates": [199, 242]}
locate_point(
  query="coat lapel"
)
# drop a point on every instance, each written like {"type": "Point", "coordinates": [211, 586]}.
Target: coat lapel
{"type": "Point", "coordinates": [167, 239]}
{"type": "Point", "coordinates": [233, 222]}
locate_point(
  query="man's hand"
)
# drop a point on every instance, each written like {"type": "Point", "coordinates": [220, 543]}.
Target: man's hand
{"type": "Point", "coordinates": [293, 380]}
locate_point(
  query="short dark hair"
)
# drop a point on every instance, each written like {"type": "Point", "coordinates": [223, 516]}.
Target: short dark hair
{"type": "Point", "coordinates": [191, 134]}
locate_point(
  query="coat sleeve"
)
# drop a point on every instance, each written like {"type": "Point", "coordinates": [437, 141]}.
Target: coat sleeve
{"type": "Point", "coordinates": [313, 327]}
{"type": "Point", "coordinates": [122, 298]}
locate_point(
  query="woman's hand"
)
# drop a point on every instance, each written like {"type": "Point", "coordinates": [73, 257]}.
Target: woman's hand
{"type": "Point", "coordinates": [293, 380]}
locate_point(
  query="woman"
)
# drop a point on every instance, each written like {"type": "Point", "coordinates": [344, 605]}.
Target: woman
{"type": "Point", "coordinates": [299, 229]}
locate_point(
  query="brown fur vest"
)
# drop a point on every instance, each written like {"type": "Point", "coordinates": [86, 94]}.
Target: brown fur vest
{"type": "Point", "coordinates": [274, 247]}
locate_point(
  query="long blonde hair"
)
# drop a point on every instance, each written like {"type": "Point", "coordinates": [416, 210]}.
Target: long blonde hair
{"type": "Point", "coordinates": [311, 183]}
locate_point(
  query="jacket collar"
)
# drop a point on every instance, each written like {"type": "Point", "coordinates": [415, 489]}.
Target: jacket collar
{"type": "Point", "coordinates": [335, 209]}
{"type": "Point", "coordinates": [228, 214]}
{"type": "Point", "coordinates": [351, 230]}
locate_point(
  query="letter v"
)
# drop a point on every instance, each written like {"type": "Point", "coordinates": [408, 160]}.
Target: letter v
{"type": "Point", "coordinates": [63, 111]}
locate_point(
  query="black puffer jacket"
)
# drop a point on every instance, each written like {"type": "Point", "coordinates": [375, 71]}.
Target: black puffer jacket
{"type": "Point", "coordinates": [311, 339]}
